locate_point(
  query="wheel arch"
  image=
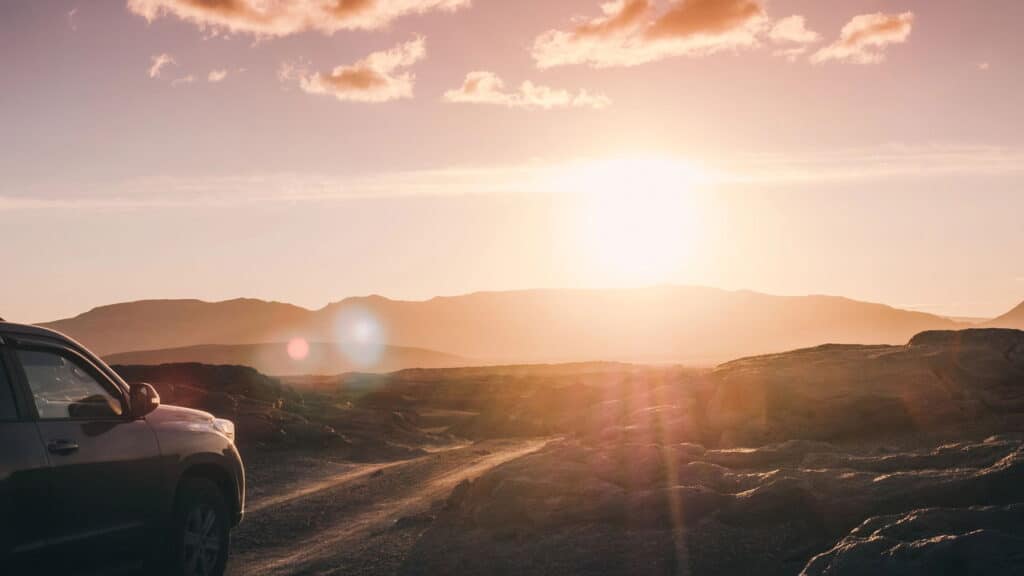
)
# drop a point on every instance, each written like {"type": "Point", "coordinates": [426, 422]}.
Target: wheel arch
{"type": "Point", "coordinates": [216, 474]}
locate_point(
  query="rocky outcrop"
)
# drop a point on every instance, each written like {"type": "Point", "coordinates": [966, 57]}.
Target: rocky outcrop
{"type": "Point", "coordinates": [269, 414]}
{"type": "Point", "coordinates": [681, 509]}
{"type": "Point", "coordinates": [830, 460]}
{"type": "Point", "coordinates": [976, 540]}
{"type": "Point", "coordinates": [941, 382]}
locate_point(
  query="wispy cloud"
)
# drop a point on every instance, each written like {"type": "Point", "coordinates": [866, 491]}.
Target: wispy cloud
{"type": "Point", "coordinates": [541, 176]}
{"type": "Point", "coordinates": [482, 87]}
{"type": "Point", "coordinates": [159, 62]}
{"type": "Point", "coordinates": [633, 32]}
{"type": "Point", "coordinates": [793, 29]}
{"type": "Point", "coordinates": [863, 39]}
{"type": "Point", "coordinates": [792, 37]}
{"type": "Point", "coordinates": [71, 19]}
{"type": "Point", "coordinates": [380, 77]}
{"type": "Point", "coordinates": [881, 162]}
{"type": "Point", "coordinates": [188, 79]}
{"type": "Point", "coordinates": [217, 75]}
{"type": "Point", "coordinates": [283, 18]}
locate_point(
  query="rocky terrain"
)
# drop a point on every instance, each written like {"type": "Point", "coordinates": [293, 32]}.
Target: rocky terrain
{"type": "Point", "coordinates": [272, 416]}
{"type": "Point", "coordinates": [941, 384]}
{"type": "Point", "coordinates": [833, 460]}
{"type": "Point", "coordinates": [657, 508]}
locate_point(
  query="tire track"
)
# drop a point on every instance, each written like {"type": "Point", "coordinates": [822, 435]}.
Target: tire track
{"type": "Point", "coordinates": [323, 527]}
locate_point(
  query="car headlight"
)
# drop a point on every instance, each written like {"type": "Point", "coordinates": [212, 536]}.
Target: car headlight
{"type": "Point", "coordinates": [225, 427]}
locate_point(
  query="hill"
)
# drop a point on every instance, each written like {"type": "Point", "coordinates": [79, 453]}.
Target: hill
{"type": "Point", "coordinates": [269, 415]}
{"type": "Point", "coordinates": [1012, 319]}
{"type": "Point", "coordinates": [663, 324]}
{"type": "Point", "coordinates": [838, 459]}
{"type": "Point", "coordinates": [160, 324]}
{"type": "Point", "coordinates": [273, 358]}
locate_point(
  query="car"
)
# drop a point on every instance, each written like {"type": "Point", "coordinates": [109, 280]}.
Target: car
{"type": "Point", "coordinates": [96, 476]}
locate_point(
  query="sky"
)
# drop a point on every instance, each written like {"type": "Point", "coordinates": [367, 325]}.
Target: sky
{"type": "Point", "coordinates": [307, 151]}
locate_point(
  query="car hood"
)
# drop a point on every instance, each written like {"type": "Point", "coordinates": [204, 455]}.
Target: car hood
{"type": "Point", "coordinates": [165, 414]}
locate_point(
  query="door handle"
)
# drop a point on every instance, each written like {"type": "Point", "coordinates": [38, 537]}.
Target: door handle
{"type": "Point", "coordinates": [62, 447]}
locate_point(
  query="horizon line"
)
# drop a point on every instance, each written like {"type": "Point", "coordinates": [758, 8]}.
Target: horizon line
{"type": "Point", "coordinates": [911, 309]}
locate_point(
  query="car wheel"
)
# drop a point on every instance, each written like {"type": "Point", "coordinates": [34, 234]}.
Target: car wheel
{"type": "Point", "coordinates": [200, 535]}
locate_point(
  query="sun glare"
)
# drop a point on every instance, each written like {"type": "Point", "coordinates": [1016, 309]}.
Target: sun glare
{"type": "Point", "coordinates": [637, 217]}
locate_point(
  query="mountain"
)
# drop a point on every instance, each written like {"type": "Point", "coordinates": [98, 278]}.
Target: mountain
{"type": "Point", "coordinates": [322, 358]}
{"type": "Point", "coordinates": [160, 324]}
{"type": "Point", "coordinates": [660, 324]}
{"type": "Point", "coordinates": [1012, 319]}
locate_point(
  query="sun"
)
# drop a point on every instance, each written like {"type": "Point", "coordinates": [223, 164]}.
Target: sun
{"type": "Point", "coordinates": [637, 217]}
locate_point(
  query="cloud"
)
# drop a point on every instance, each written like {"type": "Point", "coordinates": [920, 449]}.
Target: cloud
{"type": "Point", "coordinates": [689, 18]}
{"type": "Point", "coordinates": [283, 18]}
{"type": "Point", "coordinates": [758, 171]}
{"type": "Point", "coordinates": [792, 54]}
{"type": "Point", "coordinates": [984, 66]}
{"type": "Point", "coordinates": [632, 32]}
{"type": "Point", "coordinates": [482, 87]}
{"type": "Point", "coordinates": [71, 19]}
{"type": "Point", "coordinates": [291, 70]}
{"type": "Point", "coordinates": [619, 16]}
{"type": "Point", "coordinates": [793, 36]}
{"type": "Point", "coordinates": [377, 78]}
{"type": "Point", "coordinates": [876, 163]}
{"type": "Point", "coordinates": [216, 75]}
{"type": "Point", "coordinates": [863, 39]}
{"type": "Point", "coordinates": [793, 29]}
{"type": "Point", "coordinates": [183, 80]}
{"type": "Point", "coordinates": [159, 62]}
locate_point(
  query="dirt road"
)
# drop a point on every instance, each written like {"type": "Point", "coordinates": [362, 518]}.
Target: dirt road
{"type": "Point", "coordinates": [308, 517]}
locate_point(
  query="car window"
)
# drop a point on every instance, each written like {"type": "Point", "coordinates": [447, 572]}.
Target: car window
{"type": "Point", "coordinates": [7, 410]}
{"type": "Point", "coordinates": [63, 389]}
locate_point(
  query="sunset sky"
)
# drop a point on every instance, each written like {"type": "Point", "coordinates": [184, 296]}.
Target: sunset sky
{"type": "Point", "coordinates": [310, 150]}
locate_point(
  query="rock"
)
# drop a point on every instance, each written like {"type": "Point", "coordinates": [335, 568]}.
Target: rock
{"type": "Point", "coordinates": [720, 512]}
{"type": "Point", "coordinates": [414, 521]}
{"type": "Point", "coordinates": [976, 540]}
{"type": "Point", "coordinates": [942, 382]}
{"type": "Point", "coordinates": [669, 508]}
{"type": "Point", "coordinates": [787, 453]}
{"type": "Point", "coordinates": [778, 501]}
{"type": "Point", "coordinates": [458, 494]}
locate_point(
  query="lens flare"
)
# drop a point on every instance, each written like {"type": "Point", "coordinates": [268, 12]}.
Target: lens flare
{"type": "Point", "coordinates": [298, 349]}
{"type": "Point", "coordinates": [360, 336]}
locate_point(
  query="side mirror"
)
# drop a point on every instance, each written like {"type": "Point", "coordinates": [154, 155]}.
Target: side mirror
{"type": "Point", "coordinates": [144, 399]}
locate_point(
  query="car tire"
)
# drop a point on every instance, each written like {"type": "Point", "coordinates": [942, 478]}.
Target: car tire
{"type": "Point", "coordinates": [200, 530]}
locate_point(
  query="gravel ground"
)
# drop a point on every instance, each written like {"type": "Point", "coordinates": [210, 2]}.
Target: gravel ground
{"type": "Point", "coordinates": [311, 514]}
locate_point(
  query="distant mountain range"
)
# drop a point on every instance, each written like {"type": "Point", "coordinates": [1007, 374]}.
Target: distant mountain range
{"type": "Point", "coordinates": [1012, 319]}
{"type": "Point", "coordinates": [662, 324]}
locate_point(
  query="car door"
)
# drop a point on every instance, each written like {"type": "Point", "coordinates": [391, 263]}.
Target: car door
{"type": "Point", "coordinates": [24, 502]}
{"type": "Point", "coordinates": [104, 469]}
